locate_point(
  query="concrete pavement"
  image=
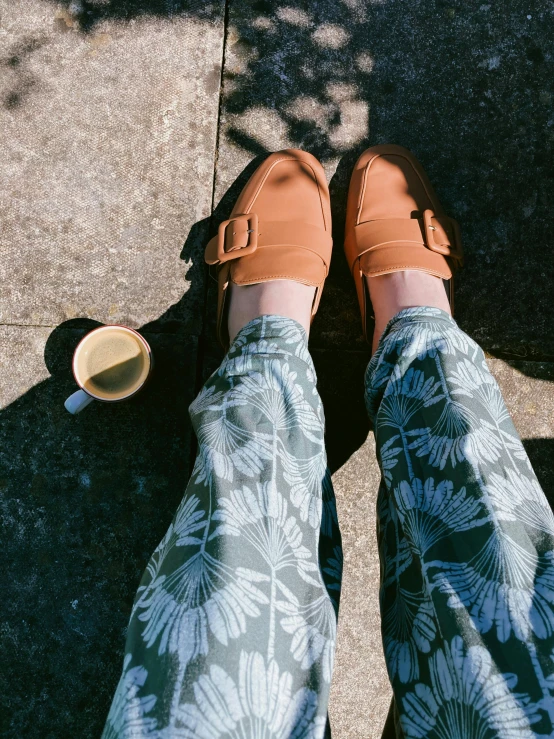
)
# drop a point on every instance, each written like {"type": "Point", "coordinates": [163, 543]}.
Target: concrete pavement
{"type": "Point", "coordinates": [127, 127]}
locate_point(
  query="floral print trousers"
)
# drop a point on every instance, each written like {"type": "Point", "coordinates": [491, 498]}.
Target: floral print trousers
{"type": "Point", "coordinates": [233, 628]}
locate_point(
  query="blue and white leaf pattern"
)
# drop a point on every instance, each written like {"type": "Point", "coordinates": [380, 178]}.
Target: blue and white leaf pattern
{"type": "Point", "coordinates": [130, 716]}
{"type": "Point", "coordinates": [260, 704]}
{"type": "Point", "coordinates": [467, 697]}
{"type": "Point", "coordinates": [466, 540]}
{"type": "Point", "coordinates": [233, 628]}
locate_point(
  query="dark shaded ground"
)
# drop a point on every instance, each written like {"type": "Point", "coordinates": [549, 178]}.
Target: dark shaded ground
{"type": "Point", "coordinates": [470, 88]}
{"type": "Point", "coordinates": [100, 490]}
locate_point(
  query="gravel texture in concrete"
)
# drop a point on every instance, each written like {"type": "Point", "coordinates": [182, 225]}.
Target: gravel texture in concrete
{"type": "Point", "coordinates": [122, 150]}
{"type": "Point", "coordinates": [108, 113]}
{"type": "Point", "coordinates": [108, 140]}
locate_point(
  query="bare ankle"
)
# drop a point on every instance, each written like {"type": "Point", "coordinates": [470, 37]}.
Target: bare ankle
{"type": "Point", "coordinates": [393, 292]}
{"type": "Point", "coordinates": [277, 297]}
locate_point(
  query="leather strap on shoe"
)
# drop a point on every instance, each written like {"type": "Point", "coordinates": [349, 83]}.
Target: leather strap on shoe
{"type": "Point", "coordinates": [440, 234]}
{"type": "Point", "coordinates": [243, 235]}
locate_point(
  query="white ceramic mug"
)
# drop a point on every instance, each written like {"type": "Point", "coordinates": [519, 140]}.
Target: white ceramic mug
{"type": "Point", "coordinates": [110, 364]}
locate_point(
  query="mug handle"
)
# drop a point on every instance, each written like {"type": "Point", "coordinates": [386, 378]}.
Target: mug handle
{"type": "Point", "coordinates": [76, 402]}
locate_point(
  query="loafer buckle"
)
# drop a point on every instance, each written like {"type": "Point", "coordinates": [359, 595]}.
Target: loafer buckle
{"type": "Point", "coordinates": [237, 237]}
{"type": "Point", "coordinates": [442, 235]}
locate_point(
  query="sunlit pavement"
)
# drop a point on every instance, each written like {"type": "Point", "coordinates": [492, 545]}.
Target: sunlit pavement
{"type": "Point", "coordinates": [127, 128]}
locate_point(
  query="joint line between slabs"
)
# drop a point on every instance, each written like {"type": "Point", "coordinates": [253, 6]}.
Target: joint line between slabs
{"type": "Point", "coordinates": [201, 349]}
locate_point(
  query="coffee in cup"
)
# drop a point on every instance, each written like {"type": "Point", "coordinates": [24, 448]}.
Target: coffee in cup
{"type": "Point", "coordinates": [110, 363]}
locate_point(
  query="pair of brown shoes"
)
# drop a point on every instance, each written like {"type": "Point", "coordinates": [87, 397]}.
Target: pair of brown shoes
{"type": "Point", "coordinates": [280, 227]}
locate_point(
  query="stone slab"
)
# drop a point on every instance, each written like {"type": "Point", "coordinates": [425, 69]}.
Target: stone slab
{"type": "Point", "coordinates": [108, 114]}
{"type": "Point", "coordinates": [468, 88]}
{"type": "Point", "coordinates": [360, 693]}
{"type": "Point", "coordinates": [528, 389]}
{"type": "Point", "coordinates": [84, 500]}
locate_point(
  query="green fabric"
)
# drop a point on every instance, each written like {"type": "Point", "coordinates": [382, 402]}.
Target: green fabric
{"type": "Point", "coordinates": [233, 629]}
{"type": "Point", "coordinates": [466, 540]}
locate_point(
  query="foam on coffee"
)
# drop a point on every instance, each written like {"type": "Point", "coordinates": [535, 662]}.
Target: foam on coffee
{"type": "Point", "coordinates": [112, 363]}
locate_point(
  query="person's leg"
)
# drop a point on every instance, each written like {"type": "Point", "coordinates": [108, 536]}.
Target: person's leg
{"type": "Point", "coordinates": [466, 535]}
{"type": "Point", "coordinates": [405, 289]}
{"type": "Point", "coordinates": [232, 632]}
{"type": "Point", "coordinates": [279, 297]}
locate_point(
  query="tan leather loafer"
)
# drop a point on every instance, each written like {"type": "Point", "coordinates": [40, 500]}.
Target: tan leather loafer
{"type": "Point", "coordinates": [279, 229]}
{"type": "Point", "coordinates": [394, 221]}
